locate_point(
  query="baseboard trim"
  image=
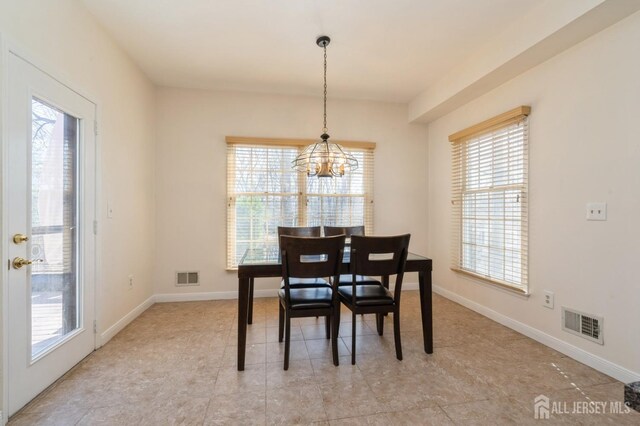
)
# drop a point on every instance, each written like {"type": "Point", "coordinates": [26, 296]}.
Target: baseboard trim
{"type": "Point", "coordinates": [109, 333]}
{"type": "Point", "coordinates": [593, 361]}
{"type": "Point", "coordinates": [211, 295]}
{"type": "Point", "coordinates": [194, 297]}
{"type": "Point", "coordinates": [222, 295]}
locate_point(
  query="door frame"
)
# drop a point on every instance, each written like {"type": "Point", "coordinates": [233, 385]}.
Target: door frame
{"type": "Point", "coordinates": [8, 46]}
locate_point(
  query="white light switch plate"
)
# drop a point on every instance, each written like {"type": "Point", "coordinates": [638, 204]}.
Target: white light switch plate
{"type": "Point", "coordinates": [109, 210]}
{"type": "Point", "coordinates": [596, 211]}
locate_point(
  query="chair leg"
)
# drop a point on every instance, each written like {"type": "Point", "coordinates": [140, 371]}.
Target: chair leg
{"type": "Point", "coordinates": [337, 314]}
{"type": "Point", "coordinates": [380, 323]}
{"type": "Point", "coordinates": [287, 340]}
{"type": "Point", "coordinates": [327, 326]}
{"type": "Point", "coordinates": [280, 322]}
{"type": "Point", "coordinates": [335, 321]}
{"type": "Point", "coordinates": [353, 339]}
{"type": "Point", "coordinates": [396, 334]}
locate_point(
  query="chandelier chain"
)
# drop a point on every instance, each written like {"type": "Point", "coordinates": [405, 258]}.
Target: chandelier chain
{"type": "Point", "coordinates": [325, 87]}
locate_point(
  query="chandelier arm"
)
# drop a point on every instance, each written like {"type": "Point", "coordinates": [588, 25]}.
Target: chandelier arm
{"type": "Point", "coordinates": [313, 150]}
{"type": "Point", "coordinates": [348, 156]}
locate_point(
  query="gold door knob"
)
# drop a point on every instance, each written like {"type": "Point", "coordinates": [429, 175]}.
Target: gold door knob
{"type": "Point", "coordinates": [20, 238]}
{"type": "Point", "coordinates": [19, 262]}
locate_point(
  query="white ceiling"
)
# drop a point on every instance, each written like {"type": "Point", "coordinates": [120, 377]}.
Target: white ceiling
{"type": "Point", "coordinates": [388, 50]}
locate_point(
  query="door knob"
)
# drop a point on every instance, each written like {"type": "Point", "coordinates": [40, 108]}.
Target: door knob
{"type": "Point", "coordinates": [19, 262]}
{"type": "Point", "coordinates": [20, 238]}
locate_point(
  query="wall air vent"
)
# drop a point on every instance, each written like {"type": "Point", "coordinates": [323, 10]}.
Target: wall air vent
{"type": "Point", "coordinates": [187, 278]}
{"type": "Point", "coordinates": [584, 325]}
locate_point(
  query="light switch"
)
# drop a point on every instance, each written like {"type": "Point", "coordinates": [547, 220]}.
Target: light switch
{"type": "Point", "coordinates": [596, 211]}
{"type": "Point", "coordinates": [109, 210]}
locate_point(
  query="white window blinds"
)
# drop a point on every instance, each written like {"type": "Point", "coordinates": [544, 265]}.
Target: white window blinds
{"type": "Point", "coordinates": [489, 198]}
{"type": "Point", "coordinates": [264, 192]}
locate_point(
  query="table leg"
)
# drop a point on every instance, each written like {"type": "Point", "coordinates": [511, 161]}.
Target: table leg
{"type": "Point", "coordinates": [250, 314]}
{"type": "Point", "coordinates": [426, 308]}
{"type": "Point", "coordinates": [243, 308]}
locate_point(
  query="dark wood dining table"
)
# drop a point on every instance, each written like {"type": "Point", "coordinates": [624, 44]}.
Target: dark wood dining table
{"type": "Point", "coordinates": [265, 262]}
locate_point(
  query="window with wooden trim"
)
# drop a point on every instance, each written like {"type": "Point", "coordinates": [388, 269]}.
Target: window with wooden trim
{"type": "Point", "coordinates": [264, 192]}
{"type": "Point", "coordinates": [489, 198]}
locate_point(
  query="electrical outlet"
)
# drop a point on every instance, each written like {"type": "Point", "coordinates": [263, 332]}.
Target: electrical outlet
{"type": "Point", "coordinates": [547, 302]}
{"type": "Point", "coordinates": [130, 282]}
{"type": "Point", "coordinates": [596, 211]}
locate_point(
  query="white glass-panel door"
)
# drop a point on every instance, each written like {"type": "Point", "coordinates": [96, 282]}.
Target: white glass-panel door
{"type": "Point", "coordinates": [51, 199]}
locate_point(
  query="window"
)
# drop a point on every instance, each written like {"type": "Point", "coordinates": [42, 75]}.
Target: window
{"type": "Point", "coordinates": [490, 162]}
{"type": "Point", "coordinates": [264, 192]}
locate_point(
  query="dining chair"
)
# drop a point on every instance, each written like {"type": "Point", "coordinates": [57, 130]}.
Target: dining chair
{"type": "Point", "coordinates": [375, 256]}
{"type": "Point", "coordinates": [303, 231]}
{"type": "Point", "coordinates": [309, 257]}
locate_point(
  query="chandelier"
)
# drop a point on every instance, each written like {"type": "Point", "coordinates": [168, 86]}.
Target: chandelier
{"type": "Point", "coordinates": [324, 158]}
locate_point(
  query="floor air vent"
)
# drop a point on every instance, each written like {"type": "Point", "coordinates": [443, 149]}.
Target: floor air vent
{"type": "Point", "coordinates": [583, 325]}
{"type": "Point", "coordinates": [187, 278]}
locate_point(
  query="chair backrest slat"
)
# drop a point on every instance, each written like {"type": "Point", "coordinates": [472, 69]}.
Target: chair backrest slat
{"type": "Point", "coordinates": [311, 257]}
{"type": "Point", "coordinates": [298, 231]}
{"type": "Point", "coordinates": [379, 255]}
{"type": "Point", "coordinates": [343, 230]}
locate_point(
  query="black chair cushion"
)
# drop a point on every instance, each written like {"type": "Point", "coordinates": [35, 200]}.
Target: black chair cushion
{"type": "Point", "coordinates": [309, 298]}
{"type": "Point", "coordinates": [346, 279]}
{"type": "Point", "coordinates": [366, 295]}
{"type": "Point", "coordinates": [306, 282]}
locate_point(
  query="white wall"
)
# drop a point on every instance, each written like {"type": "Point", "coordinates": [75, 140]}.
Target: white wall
{"type": "Point", "coordinates": [191, 177]}
{"type": "Point", "coordinates": [583, 147]}
{"type": "Point", "coordinates": [165, 175]}
{"type": "Point", "coordinates": [67, 42]}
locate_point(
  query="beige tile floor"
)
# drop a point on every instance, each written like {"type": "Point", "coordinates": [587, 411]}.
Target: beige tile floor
{"type": "Point", "coordinates": [175, 364]}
